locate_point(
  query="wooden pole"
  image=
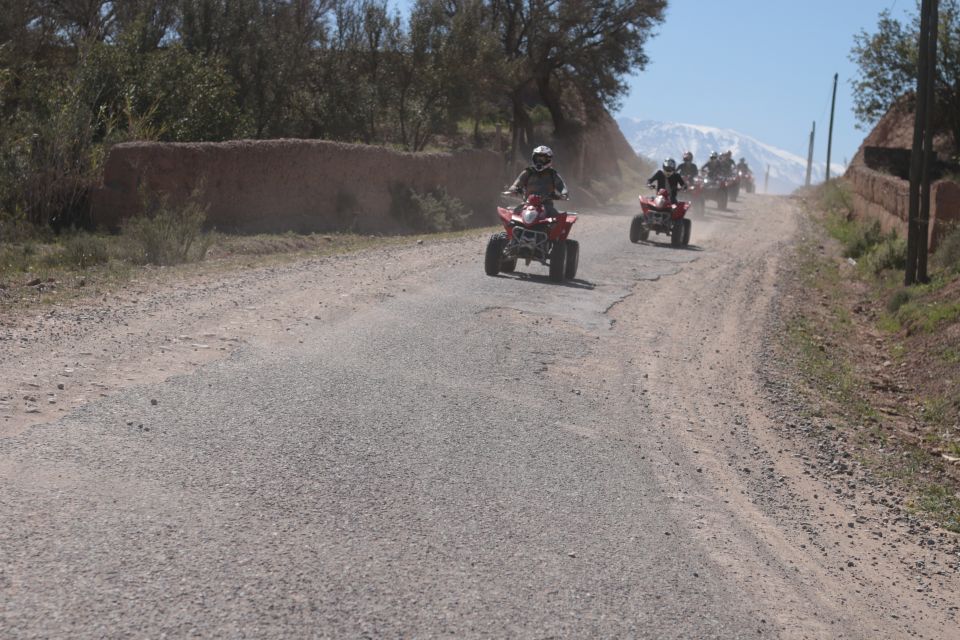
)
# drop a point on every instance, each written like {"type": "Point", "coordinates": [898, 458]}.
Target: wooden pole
{"type": "Point", "coordinates": [928, 156]}
{"type": "Point", "coordinates": [813, 131]}
{"type": "Point", "coordinates": [916, 155]}
{"type": "Point", "coordinates": [833, 104]}
{"type": "Point", "coordinates": [766, 180]}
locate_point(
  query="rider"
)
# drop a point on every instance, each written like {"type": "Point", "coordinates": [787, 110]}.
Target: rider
{"type": "Point", "coordinates": [687, 169]}
{"type": "Point", "coordinates": [727, 165]}
{"type": "Point", "coordinates": [668, 175]}
{"type": "Point", "coordinates": [742, 166]}
{"type": "Point", "coordinates": [541, 179]}
{"type": "Point", "coordinates": [712, 166]}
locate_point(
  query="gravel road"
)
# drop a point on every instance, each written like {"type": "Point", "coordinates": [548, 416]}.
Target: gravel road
{"type": "Point", "coordinates": [396, 445]}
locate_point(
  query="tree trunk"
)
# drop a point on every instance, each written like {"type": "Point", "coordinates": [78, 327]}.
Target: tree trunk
{"type": "Point", "coordinates": [551, 99]}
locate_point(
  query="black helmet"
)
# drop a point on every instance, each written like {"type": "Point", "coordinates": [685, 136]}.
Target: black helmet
{"type": "Point", "coordinates": [542, 157]}
{"type": "Point", "coordinates": [669, 166]}
{"type": "Point", "coordinates": [688, 156]}
{"type": "Point", "coordinates": [714, 155]}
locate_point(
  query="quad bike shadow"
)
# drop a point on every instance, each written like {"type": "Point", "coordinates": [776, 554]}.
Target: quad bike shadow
{"type": "Point", "coordinates": [537, 278]}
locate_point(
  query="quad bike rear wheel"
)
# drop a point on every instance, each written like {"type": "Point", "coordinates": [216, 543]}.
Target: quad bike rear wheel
{"type": "Point", "coordinates": [687, 226]}
{"type": "Point", "coordinates": [573, 259]}
{"type": "Point", "coordinates": [558, 261]}
{"type": "Point", "coordinates": [493, 258]}
{"type": "Point", "coordinates": [638, 232]}
{"type": "Point", "coordinates": [722, 199]}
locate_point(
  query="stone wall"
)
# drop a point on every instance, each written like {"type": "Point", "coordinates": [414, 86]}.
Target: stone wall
{"type": "Point", "coordinates": [292, 185]}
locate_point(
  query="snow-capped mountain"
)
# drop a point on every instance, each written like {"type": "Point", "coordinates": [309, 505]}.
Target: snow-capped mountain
{"type": "Point", "coordinates": [659, 140]}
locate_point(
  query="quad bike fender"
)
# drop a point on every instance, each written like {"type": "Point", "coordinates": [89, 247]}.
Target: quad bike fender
{"type": "Point", "coordinates": [506, 215]}
{"type": "Point", "coordinates": [561, 229]}
{"type": "Point", "coordinates": [680, 210]}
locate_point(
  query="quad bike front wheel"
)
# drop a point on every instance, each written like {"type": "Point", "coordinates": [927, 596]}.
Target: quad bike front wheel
{"type": "Point", "coordinates": [722, 200]}
{"type": "Point", "coordinates": [573, 259]}
{"type": "Point", "coordinates": [699, 205]}
{"type": "Point", "coordinates": [687, 226]}
{"type": "Point", "coordinates": [493, 258]}
{"type": "Point", "coordinates": [638, 232]}
{"type": "Point", "coordinates": [558, 261]}
{"type": "Point", "coordinates": [508, 266]}
{"type": "Point", "coordinates": [676, 234]}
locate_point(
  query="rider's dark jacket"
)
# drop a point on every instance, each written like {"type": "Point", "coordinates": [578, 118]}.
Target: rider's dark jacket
{"type": "Point", "coordinates": [688, 170]}
{"type": "Point", "coordinates": [674, 180]}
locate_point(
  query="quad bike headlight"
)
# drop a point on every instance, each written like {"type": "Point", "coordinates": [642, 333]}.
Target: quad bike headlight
{"type": "Point", "coordinates": [529, 215]}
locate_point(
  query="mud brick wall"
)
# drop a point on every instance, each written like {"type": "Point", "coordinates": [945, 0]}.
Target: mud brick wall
{"type": "Point", "coordinates": [292, 185]}
{"type": "Point", "coordinates": [883, 197]}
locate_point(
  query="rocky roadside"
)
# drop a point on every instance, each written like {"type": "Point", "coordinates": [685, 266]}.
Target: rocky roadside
{"type": "Point", "coordinates": [833, 453]}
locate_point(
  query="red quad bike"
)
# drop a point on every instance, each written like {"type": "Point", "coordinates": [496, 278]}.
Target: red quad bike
{"type": "Point", "coordinates": [716, 188]}
{"type": "Point", "coordinates": [746, 180]}
{"type": "Point", "coordinates": [662, 217]}
{"type": "Point", "coordinates": [532, 234]}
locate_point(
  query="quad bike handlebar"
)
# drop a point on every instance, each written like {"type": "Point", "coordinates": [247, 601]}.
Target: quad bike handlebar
{"type": "Point", "coordinates": [556, 196]}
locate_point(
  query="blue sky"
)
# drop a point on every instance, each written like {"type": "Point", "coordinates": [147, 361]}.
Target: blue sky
{"type": "Point", "coordinates": [763, 68]}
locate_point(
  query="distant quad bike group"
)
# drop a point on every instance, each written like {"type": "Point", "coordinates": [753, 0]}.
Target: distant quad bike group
{"type": "Point", "coordinates": [534, 232]}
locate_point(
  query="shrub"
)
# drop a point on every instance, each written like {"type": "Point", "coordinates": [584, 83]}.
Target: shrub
{"type": "Point", "coordinates": [835, 198]}
{"type": "Point", "coordinates": [947, 256]}
{"type": "Point", "coordinates": [891, 253]}
{"type": "Point", "coordinates": [899, 299]}
{"type": "Point", "coordinates": [433, 211]}
{"type": "Point", "coordinates": [863, 240]}
{"type": "Point", "coordinates": [85, 250]}
{"type": "Point", "coordinates": [165, 234]}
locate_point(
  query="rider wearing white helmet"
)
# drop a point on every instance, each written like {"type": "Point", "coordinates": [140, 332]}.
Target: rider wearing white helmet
{"type": "Point", "coordinates": [541, 179]}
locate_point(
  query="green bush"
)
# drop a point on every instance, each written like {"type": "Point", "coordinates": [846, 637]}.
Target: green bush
{"type": "Point", "coordinates": [898, 299]}
{"type": "Point", "coordinates": [891, 253]}
{"type": "Point", "coordinates": [166, 234]}
{"type": "Point", "coordinates": [85, 250]}
{"type": "Point", "coordinates": [947, 256]}
{"type": "Point", "coordinates": [835, 198]}
{"type": "Point", "coordinates": [863, 240]}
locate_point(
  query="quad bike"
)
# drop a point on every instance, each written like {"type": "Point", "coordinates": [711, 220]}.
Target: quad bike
{"type": "Point", "coordinates": [531, 233]}
{"type": "Point", "coordinates": [716, 188]}
{"type": "Point", "coordinates": [694, 191]}
{"type": "Point", "coordinates": [660, 216]}
{"type": "Point", "coordinates": [746, 180]}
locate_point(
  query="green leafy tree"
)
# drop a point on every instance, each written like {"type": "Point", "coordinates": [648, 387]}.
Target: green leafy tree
{"type": "Point", "coordinates": [887, 61]}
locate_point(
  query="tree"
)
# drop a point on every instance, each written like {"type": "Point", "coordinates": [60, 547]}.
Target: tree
{"type": "Point", "coordinates": [552, 47]}
{"type": "Point", "coordinates": [887, 60]}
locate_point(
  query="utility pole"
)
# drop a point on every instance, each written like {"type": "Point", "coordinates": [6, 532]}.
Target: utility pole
{"type": "Point", "coordinates": [833, 104]}
{"type": "Point", "coordinates": [918, 154]}
{"type": "Point", "coordinates": [766, 180]}
{"type": "Point", "coordinates": [813, 131]}
{"type": "Point", "coordinates": [928, 156]}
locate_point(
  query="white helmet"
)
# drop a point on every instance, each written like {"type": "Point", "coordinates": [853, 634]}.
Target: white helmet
{"type": "Point", "coordinates": [542, 157]}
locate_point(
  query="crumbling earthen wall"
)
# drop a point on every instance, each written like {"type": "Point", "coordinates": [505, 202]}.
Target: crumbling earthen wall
{"type": "Point", "coordinates": [886, 198]}
{"type": "Point", "coordinates": [292, 185]}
